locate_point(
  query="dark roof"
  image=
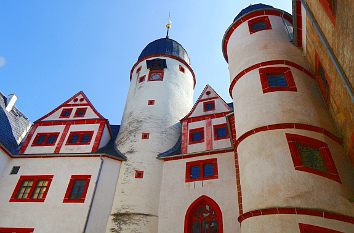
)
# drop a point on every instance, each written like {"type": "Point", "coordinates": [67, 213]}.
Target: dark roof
{"type": "Point", "coordinates": [251, 8]}
{"type": "Point", "coordinates": [165, 46]}
{"type": "Point", "coordinates": [231, 105]}
{"type": "Point", "coordinates": [110, 148]}
{"type": "Point", "coordinates": [13, 125]}
{"type": "Point", "coordinates": [175, 150]}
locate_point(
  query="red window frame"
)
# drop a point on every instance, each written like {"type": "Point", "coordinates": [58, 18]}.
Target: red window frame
{"type": "Point", "coordinates": [206, 103]}
{"type": "Point", "coordinates": [77, 112]}
{"type": "Point", "coordinates": [264, 72]}
{"type": "Point", "coordinates": [216, 127]}
{"type": "Point", "coordinates": [151, 72]}
{"type": "Point", "coordinates": [181, 68]}
{"type": "Point", "coordinates": [35, 180]}
{"type": "Point", "coordinates": [81, 134]}
{"type": "Point", "coordinates": [331, 173]}
{"type": "Point", "coordinates": [145, 136]}
{"type": "Point", "coordinates": [63, 111]}
{"type": "Point", "coordinates": [151, 102]}
{"type": "Point", "coordinates": [264, 19]}
{"type": "Point", "coordinates": [73, 178]}
{"type": "Point", "coordinates": [16, 230]}
{"type": "Point", "coordinates": [324, 91]}
{"type": "Point", "coordinates": [201, 164]}
{"type": "Point", "coordinates": [142, 78]}
{"type": "Point", "coordinates": [191, 131]}
{"type": "Point", "coordinates": [47, 134]}
{"type": "Point", "coordinates": [139, 174]}
{"type": "Point", "coordinates": [306, 228]}
{"type": "Point", "coordinates": [330, 9]}
{"type": "Point", "coordinates": [138, 70]}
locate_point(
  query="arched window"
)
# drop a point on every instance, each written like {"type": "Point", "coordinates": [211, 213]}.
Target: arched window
{"type": "Point", "coordinates": [203, 216]}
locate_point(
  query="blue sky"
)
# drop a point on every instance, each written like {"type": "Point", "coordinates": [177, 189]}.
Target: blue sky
{"type": "Point", "coordinates": [50, 50]}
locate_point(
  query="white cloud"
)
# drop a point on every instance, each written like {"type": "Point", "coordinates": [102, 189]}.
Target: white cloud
{"type": "Point", "coordinates": [2, 61]}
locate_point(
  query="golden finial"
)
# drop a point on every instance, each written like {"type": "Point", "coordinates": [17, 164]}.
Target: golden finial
{"type": "Point", "coordinates": [169, 24]}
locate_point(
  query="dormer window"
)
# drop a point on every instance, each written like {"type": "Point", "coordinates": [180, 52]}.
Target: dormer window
{"type": "Point", "coordinates": [66, 112]}
{"type": "Point", "coordinates": [45, 139]}
{"type": "Point", "coordinates": [221, 132]}
{"type": "Point", "coordinates": [196, 135]}
{"type": "Point", "coordinates": [209, 106]}
{"type": "Point", "coordinates": [80, 112]}
{"type": "Point", "coordinates": [80, 138]}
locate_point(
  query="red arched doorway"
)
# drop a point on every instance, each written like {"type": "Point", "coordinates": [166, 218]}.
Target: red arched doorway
{"type": "Point", "coordinates": [203, 216]}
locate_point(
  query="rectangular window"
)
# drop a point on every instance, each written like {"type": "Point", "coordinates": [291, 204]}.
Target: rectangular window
{"type": "Point", "coordinates": [259, 24]}
{"type": "Point", "coordinates": [196, 135]}
{"type": "Point", "coordinates": [138, 70]}
{"type": "Point", "coordinates": [156, 75]}
{"type": "Point", "coordinates": [209, 106]}
{"type": "Point", "coordinates": [181, 68]}
{"type": "Point", "coordinates": [221, 132]}
{"type": "Point", "coordinates": [277, 79]}
{"type": "Point", "coordinates": [142, 79]}
{"type": "Point", "coordinates": [80, 112]}
{"type": "Point", "coordinates": [79, 138]}
{"type": "Point", "coordinates": [139, 174]}
{"type": "Point", "coordinates": [201, 170]}
{"type": "Point", "coordinates": [31, 188]}
{"type": "Point", "coordinates": [313, 156]}
{"type": "Point", "coordinates": [322, 78]}
{"type": "Point", "coordinates": [45, 139]}
{"type": "Point", "coordinates": [65, 113]}
{"type": "Point", "coordinates": [145, 136]}
{"type": "Point", "coordinates": [151, 102]}
{"type": "Point", "coordinates": [77, 189]}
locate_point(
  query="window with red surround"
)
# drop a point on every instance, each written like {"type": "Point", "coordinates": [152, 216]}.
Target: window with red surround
{"type": "Point", "coordinates": [209, 106]}
{"type": "Point", "coordinates": [196, 135]}
{"type": "Point", "coordinates": [31, 188]}
{"type": "Point", "coordinates": [65, 113]}
{"type": "Point", "coordinates": [77, 189]}
{"type": "Point", "coordinates": [45, 139]}
{"type": "Point", "coordinates": [181, 68]}
{"type": "Point", "coordinates": [277, 79]}
{"type": "Point", "coordinates": [138, 70]}
{"type": "Point", "coordinates": [201, 170]}
{"type": "Point", "coordinates": [79, 138]}
{"type": "Point", "coordinates": [221, 132]}
{"type": "Point", "coordinates": [151, 102]}
{"type": "Point", "coordinates": [259, 24]}
{"type": "Point", "coordinates": [306, 228]}
{"type": "Point", "coordinates": [330, 8]}
{"type": "Point", "coordinates": [312, 155]}
{"type": "Point", "coordinates": [322, 78]}
{"type": "Point", "coordinates": [145, 136]}
{"type": "Point", "coordinates": [16, 230]}
{"type": "Point", "coordinates": [156, 75]}
{"type": "Point", "coordinates": [142, 79]}
{"type": "Point", "coordinates": [139, 174]}
{"type": "Point", "coordinates": [80, 112]}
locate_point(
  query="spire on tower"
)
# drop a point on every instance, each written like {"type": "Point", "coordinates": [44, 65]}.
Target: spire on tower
{"type": "Point", "coordinates": [169, 24]}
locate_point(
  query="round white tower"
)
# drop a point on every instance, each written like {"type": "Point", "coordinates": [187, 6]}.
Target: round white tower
{"type": "Point", "coordinates": [160, 94]}
{"type": "Point", "coordinates": [292, 173]}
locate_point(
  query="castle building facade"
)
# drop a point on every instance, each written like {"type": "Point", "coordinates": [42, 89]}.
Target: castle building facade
{"type": "Point", "coordinates": [276, 159]}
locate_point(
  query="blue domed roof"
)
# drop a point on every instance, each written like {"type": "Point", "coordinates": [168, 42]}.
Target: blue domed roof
{"type": "Point", "coordinates": [165, 46]}
{"type": "Point", "coordinates": [251, 8]}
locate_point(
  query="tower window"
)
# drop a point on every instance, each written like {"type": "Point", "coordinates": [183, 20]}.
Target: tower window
{"type": "Point", "coordinates": [322, 78]}
{"type": "Point", "coordinates": [80, 112]}
{"type": "Point", "coordinates": [209, 106]}
{"type": "Point", "coordinates": [196, 135]}
{"type": "Point", "coordinates": [145, 136]}
{"type": "Point", "coordinates": [31, 188]}
{"type": "Point", "coordinates": [80, 138]}
{"type": "Point", "coordinates": [138, 70]}
{"type": "Point", "coordinates": [151, 102]}
{"type": "Point", "coordinates": [156, 75]}
{"type": "Point", "coordinates": [65, 113]}
{"type": "Point", "coordinates": [277, 79]}
{"type": "Point", "coordinates": [201, 170]}
{"type": "Point", "coordinates": [181, 68]}
{"type": "Point", "coordinates": [221, 132]}
{"type": "Point", "coordinates": [142, 79]}
{"type": "Point", "coordinates": [259, 24]}
{"type": "Point", "coordinates": [14, 170]}
{"type": "Point", "coordinates": [45, 139]}
{"type": "Point", "coordinates": [139, 174]}
{"type": "Point", "coordinates": [77, 189]}
{"type": "Point", "coordinates": [156, 64]}
{"type": "Point", "coordinates": [313, 156]}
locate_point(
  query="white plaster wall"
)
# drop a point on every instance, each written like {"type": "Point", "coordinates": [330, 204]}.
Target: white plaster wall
{"type": "Point", "coordinates": [44, 149]}
{"type": "Point", "coordinates": [253, 108]}
{"type": "Point", "coordinates": [52, 215]}
{"type": "Point", "coordinates": [4, 160]}
{"type": "Point", "coordinates": [219, 107]}
{"type": "Point", "coordinates": [173, 100]}
{"type": "Point", "coordinates": [106, 137]}
{"type": "Point", "coordinates": [269, 179]}
{"type": "Point", "coordinates": [287, 223]}
{"type": "Point", "coordinates": [80, 148]}
{"type": "Point", "coordinates": [177, 195]}
{"type": "Point", "coordinates": [196, 147]}
{"type": "Point", "coordinates": [245, 49]}
{"type": "Point", "coordinates": [222, 143]}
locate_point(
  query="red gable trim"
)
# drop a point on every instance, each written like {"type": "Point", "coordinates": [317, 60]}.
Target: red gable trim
{"type": "Point", "coordinates": [46, 156]}
{"type": "Point", "coordinates": [66, 103]}
{"type": "Point", "coordinates": [98, 137]}
{"type": "Point", "coordinates": [165, 55]}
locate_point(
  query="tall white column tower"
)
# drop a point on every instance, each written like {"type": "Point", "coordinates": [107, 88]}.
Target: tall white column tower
{"type": "Point", "coordinates": [160, 94]}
